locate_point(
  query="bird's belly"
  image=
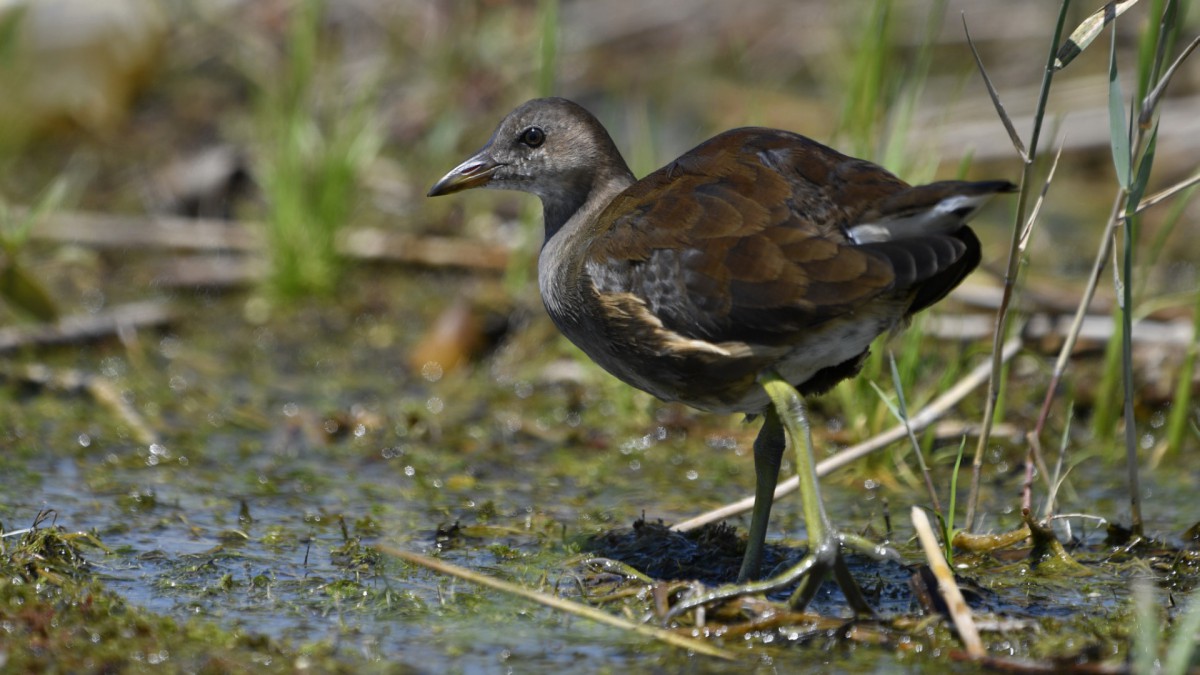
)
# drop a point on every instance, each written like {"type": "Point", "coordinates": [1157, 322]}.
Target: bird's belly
{"type": "Point", "coordinates": [619, 332]}
{"type": "Point", "coordinates": [843, 342]}
{"type": "Point", "coordinates": [723, 377]}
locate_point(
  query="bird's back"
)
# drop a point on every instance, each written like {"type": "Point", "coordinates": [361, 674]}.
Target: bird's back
{"type": "Point", "coordinates": [749, 236]}
{"type": "Point", "coordinates": [745, 254]}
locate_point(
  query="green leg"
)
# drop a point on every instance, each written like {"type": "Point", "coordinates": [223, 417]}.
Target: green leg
{"type": "Point", "coordinates": [825, 552]}
{"type": "Point", "coordinates": [825, 543]}
{"type": "Point", "coordinates": [790, 408]}
{"type": "Point", "coordinates": [768, 452]}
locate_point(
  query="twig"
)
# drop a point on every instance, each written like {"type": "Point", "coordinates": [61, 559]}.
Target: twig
{"type": "Point", "coordinates": [1033, 457]}
{"type": "Point", "coordinates": [198, 234]}
{"type": "Point", "coordinates": [99, 388]}
{"type": "Point", "coordinates": [922, 419]}
{"type": "Point", "coordinates": [1093, 328]}
{"type": "Point", "coordinates": [1059, 476]}
{"type": "Point", "coordinates": [129, 231]}
{"type": "Point", "coordinates": [960, 613]}
{"type": "Point", "coordinates": [373, 244]}
{"type": "Point", "coordinates": [1013, 136]}
{"type": "Point", "coordinates": [1163, 195]}
{"type": "Point", "coordinates": [81, 327]}
{"type": "Point", "coordinates": [1010, 275]}
{"type": "Point", "coordinates": [555, 602]}
{"type": "Point", "coordinates": [210, 271]}
{"type": "Point", "coordinates": [1150, 103]}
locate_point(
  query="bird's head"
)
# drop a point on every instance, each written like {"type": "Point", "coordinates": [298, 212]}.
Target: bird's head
{"type": "Point", "coordinates": [549, 147]}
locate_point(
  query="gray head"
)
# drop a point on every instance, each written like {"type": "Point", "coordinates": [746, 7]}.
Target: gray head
{"type": "Point", "coordinates": [549, 147]}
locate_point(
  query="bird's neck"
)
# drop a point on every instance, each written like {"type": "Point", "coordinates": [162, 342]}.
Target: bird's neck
{"type": "Point", "coordinates": [579, 206]}
{"type": "Point", "coordinates": [580, 197]}
{"type": "Point", "coordinates": [558, 212]}
{"type": "Point", "coordinates": [570, 225]}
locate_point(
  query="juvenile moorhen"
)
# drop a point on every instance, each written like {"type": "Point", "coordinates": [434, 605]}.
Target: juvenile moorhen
{"type": "Point", "coordinates": [752, 270]}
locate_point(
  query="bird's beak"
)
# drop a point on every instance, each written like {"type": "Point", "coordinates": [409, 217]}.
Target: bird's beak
{"type": "Point", "coordinates": [475, 172]}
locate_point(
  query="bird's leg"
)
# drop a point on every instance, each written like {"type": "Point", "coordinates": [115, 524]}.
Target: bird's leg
{"type": "Point", "coordinates": [825, 543]}
{"type": "Point", "coordinates": [768, 452]}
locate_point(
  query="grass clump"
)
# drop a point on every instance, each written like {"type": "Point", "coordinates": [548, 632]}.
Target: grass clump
{"type": "Point", "coordinates": [319, 137]}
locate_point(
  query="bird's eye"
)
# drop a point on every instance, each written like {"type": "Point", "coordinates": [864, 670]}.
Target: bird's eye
{"type": "Point", "coordinates": [533, 137]}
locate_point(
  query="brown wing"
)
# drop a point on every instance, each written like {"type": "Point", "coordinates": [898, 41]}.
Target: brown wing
{"type": "Point", "coordinates": [744, 238]}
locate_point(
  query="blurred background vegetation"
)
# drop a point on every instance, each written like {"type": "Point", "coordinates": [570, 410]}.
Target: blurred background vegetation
{"type": "Point", "coordinates": [259, 164]}
{"type": "Point", "coordinates": [307, 119]}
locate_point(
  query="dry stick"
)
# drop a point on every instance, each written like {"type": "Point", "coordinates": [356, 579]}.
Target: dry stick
{"type": "Point", "coordinates": [1034, 455]}
{"type": "Point", "coordinates": [85, 327]}
{"type": "Point", "coordinates": [922, 419]}
{"type": "Point", "coordinates": [1150, 103]}
{"type": "Point", "coordinates": [103, 391]}
{"type": "Point", "coordinates": [79, 327]}
{"type": "Point", "coordinates": [385, 246]}
{"type": "Point", "coordinates": [561, 604]}
{"type": "Point", "coordinates": [960, 612]}
{"type": "Point", "coordinates": [1068, 346]}
{"type": "Point", "coordinates": [1035, 300]}
{"type": "Point", "coordinates": [1060, 476]}
{"type": "Point", "coordinates": [127, 231]}
{"type": "Point", "coordinates": [198, 234]}
{"type": "Point", "coordinates": [1164, 195]}
{"type": "Point", "coordinates": [1095, 328]}
{"type": "Point", "coordinates": [1010, 275]}
{"type": "Point", "coordinates": [99, 388]}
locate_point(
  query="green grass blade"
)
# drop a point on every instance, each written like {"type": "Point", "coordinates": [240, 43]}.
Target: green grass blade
{"type": "Point", "coordinates": [865, 95]}
{"type": "Point", "coordinates": [1177, 421]}
{"type": "Point", "coordinates": [1183, 642]}
{"type": "Point", "coordinates": [1142, 180]}
{"type": "Point", "coordinates": [548, 11]}
{"type": "Point", "coordinates": [950, 512]}
{"type": "Point", "coordinates": [10, 32]}
{"type": "Point", "coordinates": [20, 289]}
{"type": "Point", "coordinates": [1104, 414]}
{"type": "Point", "coordinates": [891, 406]}
{"type": "Point", "coordinates": [1169, 224]}
{"type": "Point", "coordinates": [900, 411]}
{"type": "Point", "coordinates": [50, 199]}
{"type": "Point", "coordinates": [1153, 44]}
{"type": "Point", "coordinates": [1013, 135]}
{"type": "Point", "coordinates": [1118, 127]}
{"type": "Point", "coordinates": [1136, 190]}
{"type": "Point", "coordinates": [1144, 651]}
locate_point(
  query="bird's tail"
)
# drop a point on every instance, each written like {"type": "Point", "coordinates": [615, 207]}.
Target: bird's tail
{"type": "Point", "coordinates": [924, 210]}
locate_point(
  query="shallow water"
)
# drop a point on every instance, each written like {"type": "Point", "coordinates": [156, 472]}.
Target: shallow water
{"type": "Point", "coordinates": [283, 440]}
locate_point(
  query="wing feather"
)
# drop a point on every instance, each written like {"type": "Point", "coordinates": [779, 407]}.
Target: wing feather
{"type": "Point", "coordinates": [744, 238]}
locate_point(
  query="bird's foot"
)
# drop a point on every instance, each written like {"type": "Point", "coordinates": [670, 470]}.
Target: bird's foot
{"type": "Point", "coordinates": [824, 558]}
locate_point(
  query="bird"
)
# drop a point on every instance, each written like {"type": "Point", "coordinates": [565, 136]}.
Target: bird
{"type": "Point", "coordinates": [754, 270]}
